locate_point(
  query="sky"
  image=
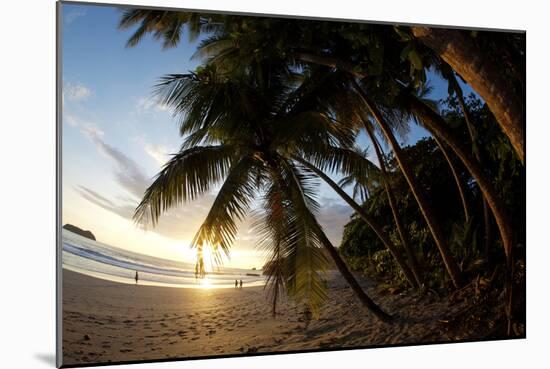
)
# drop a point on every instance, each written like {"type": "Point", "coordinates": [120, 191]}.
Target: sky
{"type": "Point", "coordinates": [115, 138]}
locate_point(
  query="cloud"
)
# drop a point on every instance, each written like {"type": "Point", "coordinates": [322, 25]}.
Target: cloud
{"type": "Point", "coordinates": [75, 92]}
{"type": "Point", "coordinates": [333, 215]}
{"type": "Point", "coordinates": [179, 223]}
{"type": "Point", "coordinates": [150, 104]}
{"type": "Point", "coordinates": [182, 222]}
{"type": "Point", "coordinates": [127, 172]}
{"type": "Point", "coordinates": [70, 119]}
{"type": "Point", "coordinates": [159, 153]}
{"type": "Point", "coordinates": [73, 15]}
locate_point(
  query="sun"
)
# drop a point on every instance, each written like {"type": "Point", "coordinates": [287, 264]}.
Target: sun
{"type": "Point", "coordinates": [205, 283]}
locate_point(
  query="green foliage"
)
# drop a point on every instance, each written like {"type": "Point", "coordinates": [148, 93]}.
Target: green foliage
{"type": "Point", "coordinates": [466, 239]}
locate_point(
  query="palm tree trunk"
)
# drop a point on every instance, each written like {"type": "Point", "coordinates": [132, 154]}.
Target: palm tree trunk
{"type": "Point", "coordinates": [409, 275]}
{"type": "Point", "coordinates": [470, 63]}
{"type": "Point", "coordinates": [456, 177]}
{"type": "Point", "coordinates": [343, 269]}
{"type": "Point", "coordinates": [423, 203]}
{"type": "Point", "coordinates": [469, 124]}
{"type": "Point", "coordinates": [393, 205]}
{"type": "Point", "coordinates": [366, 301]}
{"type": "Point", "coordinates": [460, 97]}
{"type": "Point", "coordinates": [487, 234]}
{"type": "Point", "coordinates": [435, 124]}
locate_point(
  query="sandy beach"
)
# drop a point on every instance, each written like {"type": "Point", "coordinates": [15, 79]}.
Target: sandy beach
{"type": "Point", "coordinates": [105, 321]}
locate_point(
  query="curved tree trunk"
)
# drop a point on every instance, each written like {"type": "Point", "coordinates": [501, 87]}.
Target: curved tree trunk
{"type": "Point", "coordinates": [435, 124]}
{"type": "Point", "coordinates": [367, 218]}
{"type": "Point", "coordinates": [453, 82]}
{"type": "Point", "coordinates": [456, 177]}
{"type": "Point", "coordinates": [469, 124]}
{"type": "Point", "coordinates": [366, 301]}
{"type": "Point", "coordinates": [342, 267]}
{"type": "Point", "coordinates": [487, 234]}
{"type": "Point", "coordinates": [470, 63]}
{"type": "Point", "coordinates": [423, 203]}
{"type": "Point", "coordinates": [415, 268]}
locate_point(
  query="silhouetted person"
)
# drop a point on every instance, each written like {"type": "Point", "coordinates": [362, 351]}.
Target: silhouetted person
{"type": "Point", "coordinates": [236, 283]}
{"type": "Point", "coordinates": [136, 277]}
{"type": "Point", "coordinates": [241, 284]}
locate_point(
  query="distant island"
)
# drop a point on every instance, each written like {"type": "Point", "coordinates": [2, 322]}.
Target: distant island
{"type": "Point", "coordinates": [79, 231]}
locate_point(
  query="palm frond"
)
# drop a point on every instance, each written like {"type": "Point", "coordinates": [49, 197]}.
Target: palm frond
{"type": "Point", "coordinates": [346, 161]}
{"type": "Point", "coordinates": [232, 202]}
{"type": "Point", "coordinates": [212, 47]}
{"type": "Point", "coordinates": [271, 226]}
{"type": "Point", "coordinates": [306, 280]}
{"type": "Point", "coordinates": [186, 176]}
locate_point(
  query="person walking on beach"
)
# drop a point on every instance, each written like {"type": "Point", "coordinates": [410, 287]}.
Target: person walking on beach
{"type": "Point", "coordinates": [136, 277]}
{"type": "Point", "coordinates": [236, 283]}
{"type": "Point", "coordinates": [241, 283]}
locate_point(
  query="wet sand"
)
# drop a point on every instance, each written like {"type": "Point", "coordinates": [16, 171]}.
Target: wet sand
{"type": "Point", "coordinates": [106, 321]}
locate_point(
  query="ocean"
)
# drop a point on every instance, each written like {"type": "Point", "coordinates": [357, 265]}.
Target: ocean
{"type": "Point", "coordinates": [108, 262]}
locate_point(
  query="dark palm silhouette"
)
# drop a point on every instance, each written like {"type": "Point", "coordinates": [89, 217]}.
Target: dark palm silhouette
{"type": "Point", "coordinates": [247, 130]}
{"type": "Point", "coordinates": [372, 78]}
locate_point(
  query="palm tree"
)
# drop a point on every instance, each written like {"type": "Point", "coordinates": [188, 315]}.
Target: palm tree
{"type": "Point", "coordinates": [454, 87]}
{"type": "Point", "coordinates": [471, 63]}
{"type": "Point", "coordinates": [428, 214]}
{"type": "Point", "coordinates": [166, 25]}
{"type": "Point", "coordinates": [303, 45]}
{"type": "Point", "coordinates": [456, 177]}
{"type": "Point", "coordinates": [453, 46]}
{"type": "Point", "coordinates": [229, 53]}
{"type": "Point", "coordinates": [436, 125]}
{"type": "Point", "coordinates": [244, 128]}
{"type": "Point", "coordinates": [415, 267]}
{"type": "Point", "coordinates": [226, 54]}
{"type": "Point", "coordinates": [421, 199]}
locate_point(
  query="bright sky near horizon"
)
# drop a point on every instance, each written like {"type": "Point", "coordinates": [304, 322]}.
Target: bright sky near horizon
{"type": "Point", "coordinates": [116, 138]}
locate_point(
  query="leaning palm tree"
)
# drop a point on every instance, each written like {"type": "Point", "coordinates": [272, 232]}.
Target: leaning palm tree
{"type": "Point", "coordinates": [313, 95]}
{"type": "Point", "coordinates": [473, 64]}
{"type": "Point", "coordinates": [415, 267]}
{"type": "Point", "coordinates": [241, 130]}
{"type": "Point", "coordinates": [229, 52]}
